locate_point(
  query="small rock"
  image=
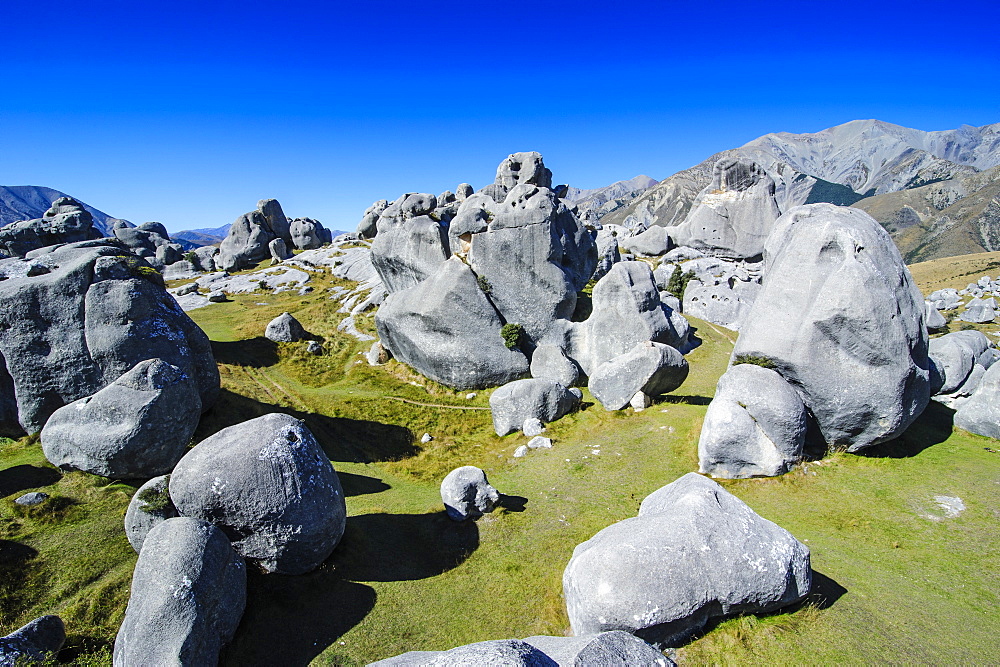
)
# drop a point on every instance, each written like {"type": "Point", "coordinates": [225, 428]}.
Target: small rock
{"type": "Point", "coordinates": [378, 354]}
{"type": "Point", "coordinates": [470, 396]}
{"type": "Point", "coordinates": [33, 498]}
{"type": "Point", "coordinates": [149, 507]}
{"type": "Point", "coordinates": [640, 401]}
{"type": "Point", "coordinates": [426, 437]}
{"type": "Point", "coordinates": [540, 442]}
{"type": "Point", "coordinates": [190, 288]}
{"type": "Point", "coordinates": [314, 348]}
{"type": "Point", "coordinates": [466, 493]}
{"type": "Point", "coordinates": [520, 451]}
{"type": "Point", "coordinates": [217, 296]}
{"type": "Point", "coordinates": [285, 329]}
{"type": "Point", "coordinates": [532, 427]}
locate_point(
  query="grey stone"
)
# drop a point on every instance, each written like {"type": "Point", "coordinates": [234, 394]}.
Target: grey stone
{"type": "Point", "coordinates": [539, 442]}
{"type": "Point", "coordinates": [190, 288]}
{"type": "Point", "coordinates": [607, 254]}
{"type": "Point", "coordinates": [247, 242]}
{"type": "Point", "coordinates": [466, 493]}
{"type": "Point", "coordinates": [368, 227]}
{"type": "Point", "coordinates": [149, 507]}
{"type": "Point", "coordinates": [408, 251]}
{"type": "Point", "coordinates": [33, 643]}
{"type": "Point", "coordinates": [377, 355]}
{"type": "Point", "coordinates": [640, 401]}
{"type": "Point", "coordinates": [285, 329]}
{"type": "Point", "coordinates": [279, 250]}
{"type": "Point", "coordinates": [532, 426]}
{"type": "Point", "coordinates": [308, 234]}
{"type": "Point", "coordinates": [71, 332]}
{"type": "Point", "coordinates": [550, 361]}
{"type": "Point", "coordinates": [519, 168]}
{"type": "Point", "coordinates": [945, 299]}
{"type": "Point", "coordinates": [33, 498]}
{"type": "Point", "coordinates": [463, 192]}
{"type": "Point", "coordinates": [270, 486]}
{"type": "Point", "coordinates": [652, 242]}
{"type": "Point", "coordinates": [693, 553]}
{"type": "Point", "coordinates": [187, 597]}
{"type": "Point", "coordinates": [67, 221]}
{"type": "Point", "coordinates": [217, 296]}
{"type": "Point", "coordinates": [979, 311]}
{"type": "Point", "coordinates": [496, 653]}
{"type": "Point", "coordinates": [682, 253]}
{"type": "Point", "coordinates": [313, 347]}
{"type": "Point", "coordinates": [652, 368]}
{"type": "Point", "coordinates": [137, 426]}
{"type": "Point", "coordinates": [614, 648]}
{"type": "Point", "coordinates": [842, 321]}
{"type": "Point", "coordinates": [954, 355]}
{"type": "Point", "coordinates": [169, 253]}
{"type": "Point", "coordinates": [933, 319]}
{"type": "Point", "coordinates": [447, 329]}
{"type": "Point", "coordinates": [755, 425]}
{"type": "Point", "coordinates": [980, 414]}
{"type": "Point", "coordinates": [516, 401]}
{"type": "Point", "coordinates": [718, 304]}
{"type": "Point", "coordinates": [521, 451]}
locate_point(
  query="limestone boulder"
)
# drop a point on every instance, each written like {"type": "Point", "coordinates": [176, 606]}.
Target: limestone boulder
{"type": "Point", "coordinates": [410, 245]}
{"type": "Point", "coordinates": [755, 425]}
{"type": "Point", "coordinates": [614, 648]}
{"type": "Point", "coordinates": [650, 368]}
{"type": "Point", "coordinates": [66, 221]}
{"type": "Point", "coordinates": [954, 356]}
{"type": "Point", "coordinates": [138, 426]}
{"type": "Point", "coordinates": [519, 168]}
{"type": "Point", "coordinates": [249, 237]}
{"type": "Point", "coordinates": [979, 311]}
{"type": "Point", "coordinates": [285, 329]}
{"type": "Point", "coordinates": [268, 484]}
{"type": "Point", "coordinates": [840, 318]}
{"type": "Point", "coordinates": [467, 494]}
{"type": "Point", "coordinates": [933, 319]}
{"type": "Point", "coordinates": [187, 597]}
{"type": "Point", "coordinates": [33, 643]}
{"type": "Point", "coordinates": [149, 507]}
{"type": "Point", "coordinates": [694, 552]}
{"type": "Point", "coordinates": [543, 399]}
{"type": "Point", "coordinates": [368, 227]}
{"type": "Point", "coordinates": [980, 414]}
{"type": "Point", "coordinates": [652, 242]}
{"type": "Point", "coordinates": [551, 362]}
{"type": "Point", "coordinates": [499, 653]}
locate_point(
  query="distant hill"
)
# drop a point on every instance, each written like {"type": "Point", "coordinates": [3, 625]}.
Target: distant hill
{"type": "Point", "coordinates": [596, 203]}
{"type": "Point", "coordinates": [855, 164]}
{"type": "Point", "coordinates": [28, 202]}
{"type": "Point", "coordinates": [203, 237]}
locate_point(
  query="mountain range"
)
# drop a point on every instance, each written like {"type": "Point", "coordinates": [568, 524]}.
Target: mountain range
{"type": "Point", "coordinates": [28, 202]}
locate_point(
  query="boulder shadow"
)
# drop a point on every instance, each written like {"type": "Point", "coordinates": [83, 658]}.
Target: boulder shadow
{"type": "Point", "coordinates": [23, 477]}
{"type": "Point", "coordinates": [824, 591]}
{"type": "Point", "coordinates": [513, 503]}
{"type": "Point", "coordinates": [359, 485]}
{"type": "Point", "coordinates": [256, 352]}
{"type": "Point", "coordinates": [343, 439]}
{"type": "Point", "coordinates": [677, 398]}
{"type": "Point", "coordinates": [289, 620]}
{"type": "Point", "coordinates": [933, 426]}
{"type": "Point", "coordinates": [403, 547]}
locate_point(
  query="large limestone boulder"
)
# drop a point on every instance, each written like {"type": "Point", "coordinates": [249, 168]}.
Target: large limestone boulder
{"type": "Point", "coordinates": [954, 356]}
{"type": "Point", "coordinates": [33, 643]}
{"type": "Point", "coordinates": [519, 168]}
{"type": "Point", "coordinates": [651, 242]}
{"type": "Point", "coordinates": [543, 399]}
{"type": "Point", "coordinates": [149, 507]}
{"type": "Point", "coordinates": [614, 648]}
{"type": "Point", "coordinates": [980, 414]}
{"type": "Point", "coordinates": [650, 368]}
{"type": "Point", "coordinates": [368, 227]}
{"type": "Point", "coordinates": [734, 215]}
{"type": "Point", "coordinates": [447, 329]}
{"type": "Point", "coordinates": [77, 317]}
{"type": "Point", "coordinates": [551, 362]}
{"type": "Point", "coordinates": [138, 426]}
{"type": "Point", "coordinates": [268, 484]}
{"type": "Point", "coordinates": [410, 245]}
{"type": "Point", "coordinates": [247, 242]}
{"type": "Point", "coordinates": [694, 552]}
{"type": "Point", "coordinates": [308, 234]}
{"type": "Point", "coordinates": [285, 329]}
{"type": "Point", "coordinates": [719, 304]}
{"type": "Point", "coordinates": [188, 594]}
{"type": "Point", "coordinates": [67, 221]}
{"type": "Point", "coordinates": [840, 319]}
{"type": "Point", "coordinates": [466, 493]}
{"type": "Point", "coordinates": [755, 425]}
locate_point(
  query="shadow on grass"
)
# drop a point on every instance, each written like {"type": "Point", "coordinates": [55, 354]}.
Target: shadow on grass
{"type": "Point", "coordinates": [688, 400]}
{"type": "Point", "coordinates": [403, 547]}
{"type": "Point", "coordinates": [513, 503]}
{"type": "Point", "coordinates": [359, 485]}
{"type": "Point", "coordinates": [824, 592]}
{"type": "Point", "coordinates": [342, 439]}
{"type": "Point", "coordinates": [256, 352]}
{"type": "Point", "coordinates": [24, 477]}
{"type": "Point", "coordinates": [933, 426]}
{"type": "Point", "coordinates": [289, 620]}
{"type": "Point", "coordinates": [17, 570]}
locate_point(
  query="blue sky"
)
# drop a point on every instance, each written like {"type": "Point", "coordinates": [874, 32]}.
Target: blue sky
{"type": "Point", "coordinates": [188, 113]}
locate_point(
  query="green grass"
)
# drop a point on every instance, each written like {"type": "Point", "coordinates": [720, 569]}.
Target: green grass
{"type": "Point", "coordinates": [896, 582]}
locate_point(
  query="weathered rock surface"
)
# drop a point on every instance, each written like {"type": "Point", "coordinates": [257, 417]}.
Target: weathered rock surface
{"type": "Point", "coordinates": [368, 227]}
{"type": "Point", "coordinates": [842, 321]}
{"type": "Point", "coordinates": [285, 329]}
{"type": "Point", "coordinates": [547, 400]}
{"type": "Point", "coordinates": [979, 311]}
{"type": "Point", "coordinates": [188, 595]}
{"type": "Point", "coordinates": [499, 653]}
{"type": "Point", "coordinates": [92, 312]}
{"type": "Point", "coordinates": [954, 355]}
{"type": "Point", "coordinates": [519, 168]}
{"type": "Point", "coordinates": [149, 507]}
{"type": "Point", "coordinates": [933, 319]}
{"type": "Point", "coordinates": [651, 242]}
{"type": "Point", "coordinates": [693, 553]}
{"type": "Point", "coordinates": [67, 221]}
{"type": "Point", "coordinates": [467, 494]}
{"type": "Point", "coordinates": [614, 648]}
{"type": "Point", "coordinates": [33, 642]}
{"type": "Point", "coordinates": [755, 425]}
{"type": "Point", "coordinates": [268, 484]}
{"type": "Point", "coordinates": [137, 426]}
{"type": "Point", "coordinates": [308, 234]}
{"type": "Point", "coordinates": [410, 245]}
{"type": "Point", "coordinates": [447, 329]}
{"type": "Point", "coordinates": [550, 361]}
{"type": "Point", "coordinates": [250, 235]}
{"type": "Point", "coordinates": [650, 368]}
{"type": "Point", "coordinates": [980, 414]}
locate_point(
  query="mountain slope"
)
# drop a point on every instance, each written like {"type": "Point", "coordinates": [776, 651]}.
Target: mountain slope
{"type": "Point", "coordinates": [27, 202]}
{"type": "Point", "coordinates": [597, 202]}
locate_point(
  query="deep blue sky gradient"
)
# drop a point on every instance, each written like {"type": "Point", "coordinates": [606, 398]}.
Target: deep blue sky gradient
{"type": "Point", "coordinates": [188, 113]}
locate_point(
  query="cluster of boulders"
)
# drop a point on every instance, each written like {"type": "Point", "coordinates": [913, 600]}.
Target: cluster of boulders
{"type": "Point", "coordinates": [838, 332]}
{"type": "Point", "coordinates": [980, 309]}
{"type": "Point", "coordinates": [267, 232]}
{"type": "Point", "coordinates": [67, 221]}
{"type": "Point", "coordinates": [966, 378]}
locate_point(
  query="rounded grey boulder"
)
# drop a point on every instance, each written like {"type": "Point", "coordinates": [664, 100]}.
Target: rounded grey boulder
{"type": "Point", "coordinates": [980, 414]}
{"type": "Point", "coordinates": [149, 507]}
{"type": "Point", "coordinates": [755, 425]}
{"type": "Point", "coordinates": [285, 329]}
{"type": "Point", "coordinates": [652, 368]}
{"type": "Point", "coordinates": [614, 648]}
{"type": "Point", "coordinates": [188, 594]}
{"type": "Point", "coordinates": [496, 653]}
{"type": "Point", "coordinates": [466, 493]}
{"type": "Point", "coordinates": [551, 362]}
{"type": "Point", "coordinates": [693, 553]}
{"type": "Point", "coordinates": [267, 483]}
{"type": "Point", "coordinates": [954, 355]}
{"type": "Point", "coordinates": [137, 426]}
{"type": "Point", "coordinates": [33, 642]}
{"type": "Point", "coordinates": [544, 399]}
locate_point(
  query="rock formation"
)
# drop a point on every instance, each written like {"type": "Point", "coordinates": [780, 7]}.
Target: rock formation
{"type": "Point", "coordinates": [67, 221]}
{"type": "Point", "coordinates": [650, 368]}
{"type": "Point", "coordinates": [545, 400]}
{"type": "Point", "coordinates": [34, 643]}
{"type": "Point", "coordinates": [249, 237]}
{"type": "Point", "coordinates": [150, 506]}
{"type": "Point", "coordinates": [466, 493]}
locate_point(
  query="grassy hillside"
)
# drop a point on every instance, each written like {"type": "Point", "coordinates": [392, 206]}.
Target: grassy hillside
{"type": "Point", "coordinates": [896, 581]}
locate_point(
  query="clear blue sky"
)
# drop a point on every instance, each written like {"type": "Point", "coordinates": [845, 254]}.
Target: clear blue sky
{"type": "Point", "coordinates": [188, 113]}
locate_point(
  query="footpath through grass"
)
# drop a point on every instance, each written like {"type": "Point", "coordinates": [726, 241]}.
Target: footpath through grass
{"type": "Point", "coordinates": [897, 580]}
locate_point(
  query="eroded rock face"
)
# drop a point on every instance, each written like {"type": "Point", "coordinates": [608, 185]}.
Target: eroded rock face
{"type": "Point", "coordinates": [308, 234]}
{"type": "Point", "coordinates": [734, 215]}
{"type": "Point", "coordinates": [650, 368]}
{"type": "Point", "coordinates": [250, 235]}
{"type": "Point", "coordinates": [267, 483]}
{"type": "Point", "coordinates": [447, 329]}
{"type": "Point", "coordinates": [980, 414]}
{"type": "Point", "coordinates": [693, 553]}
{"type": "Point", "coordinates": [138, 426]}
{"type": "Point", "coordinates": [33, 642]}
{"type": "Point", "coordinates": [411, 245]}
{"type": "Point", "coordinates": [954, 356]}
{"type": "Point", "coordinates": [519, 168]}
{"type": "Point", "coordinates": [755, 425]}
{"type": "Point", "coordinates": [543, 399]}
{"type": "Point", "coordinates": [551, 362]}
{"type": "Point", "coordinates": [149, 507]}
{"type": "Point", "coordinates": [67, 221]}
{"type": "Point", "coordinates": [188, 595]}
{"type": "Point", "coordinates": [77, 317]}
{"type": "Point", "coordinates": [466, 493]}
{"type": "Point", "coordinates": [842, 321]}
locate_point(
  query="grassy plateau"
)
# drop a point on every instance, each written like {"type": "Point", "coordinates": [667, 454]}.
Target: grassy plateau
{"type": "Point", "coordinates": [896, 580]}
